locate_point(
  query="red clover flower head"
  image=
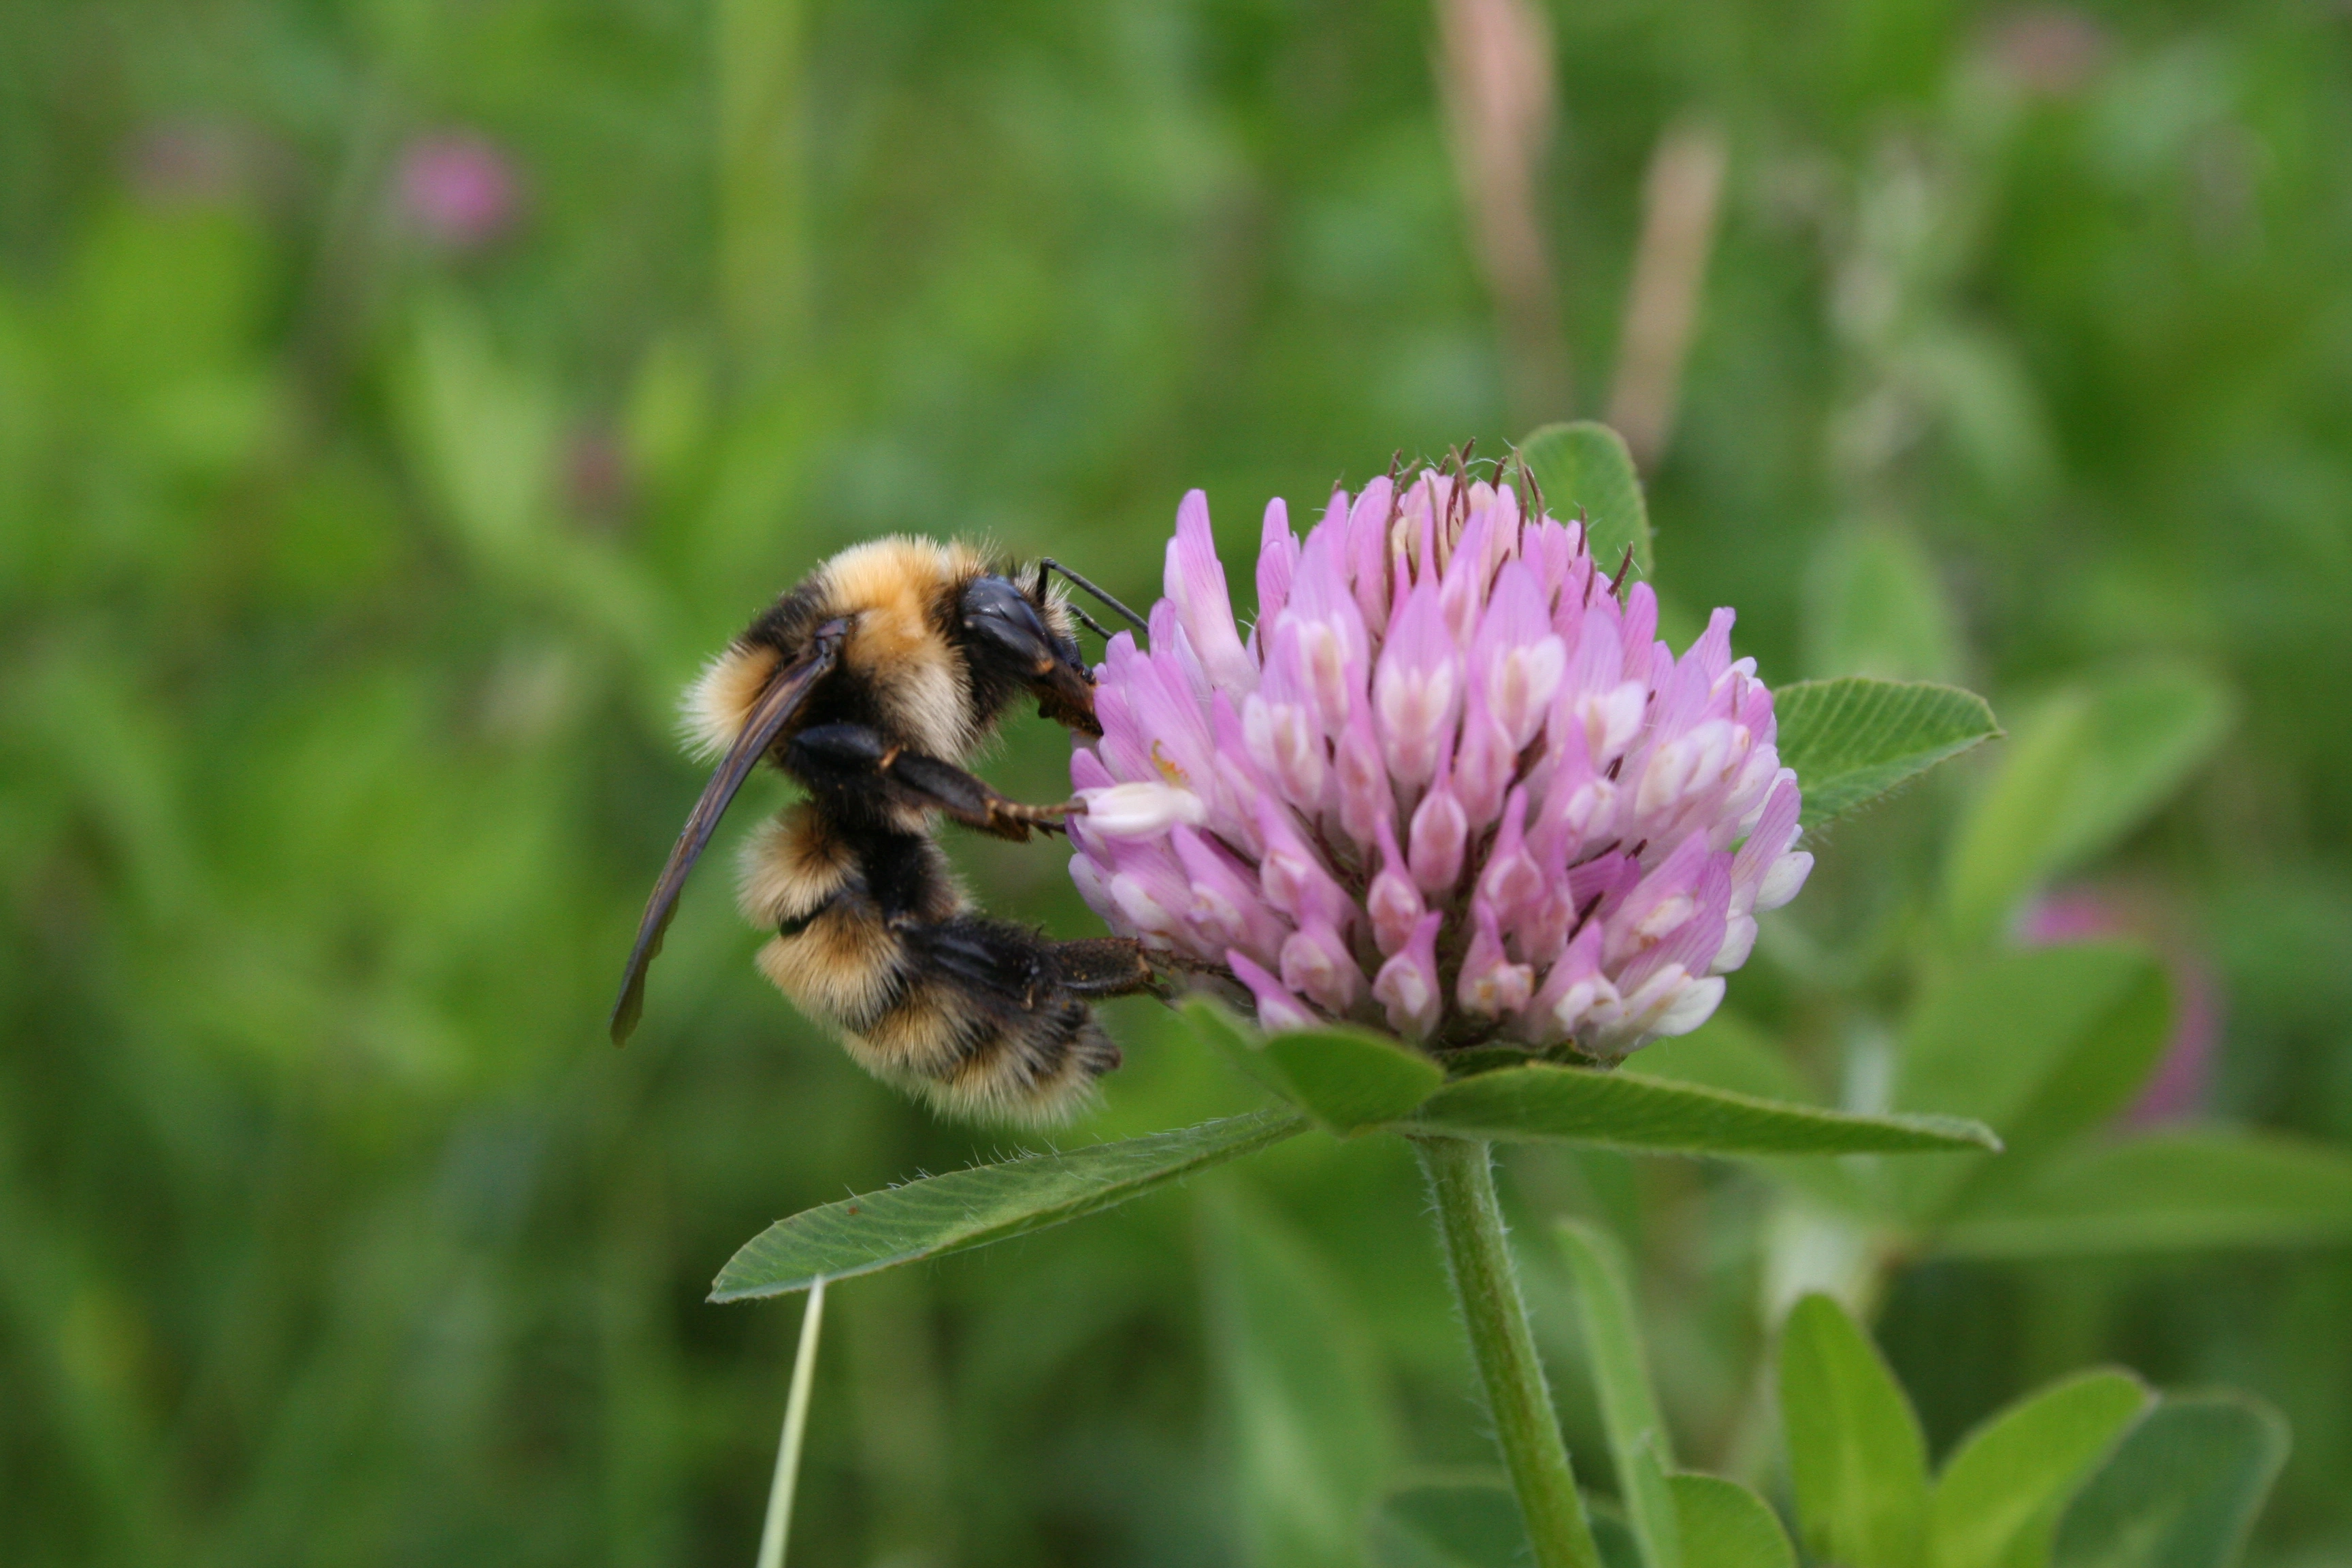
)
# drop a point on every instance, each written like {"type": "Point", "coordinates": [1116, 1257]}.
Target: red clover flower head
{"type": "Point", "coordinates": [1449, 781]}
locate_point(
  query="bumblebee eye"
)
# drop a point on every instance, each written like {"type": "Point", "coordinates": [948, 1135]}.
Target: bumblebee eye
{"type": "Point", "coordinates": [1003, 619]}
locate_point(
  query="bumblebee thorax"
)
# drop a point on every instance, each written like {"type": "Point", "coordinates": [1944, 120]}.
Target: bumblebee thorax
{"type": "Point", "coordinates": [898, 594]}
{"type": "Point", "coordinates": [899, 670]}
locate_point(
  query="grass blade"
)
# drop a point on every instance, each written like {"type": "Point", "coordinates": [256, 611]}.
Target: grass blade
{"type": "Point", "coordinates": [779, 1522]}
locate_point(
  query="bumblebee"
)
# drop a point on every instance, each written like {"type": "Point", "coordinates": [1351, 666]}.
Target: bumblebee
{"type": "Point", "coordinates": [869, 684]}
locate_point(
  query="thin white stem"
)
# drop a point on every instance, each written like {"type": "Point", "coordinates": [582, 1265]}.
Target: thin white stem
{"type": "Point", "coordinates": [788, 1449]}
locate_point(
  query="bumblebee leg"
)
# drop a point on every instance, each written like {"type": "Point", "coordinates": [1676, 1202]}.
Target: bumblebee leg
{"type": "Point", "coordinates": [984, 955]}
{"type": "Point", "coordinates": [1026, 966]}
{"type": "Point", "coordinates": [850, 762]}
{"type": "Point", "coordinates": [1107, 966]}
{"type": "Point", "coordinates": [1021, 964]}
{"type": "Point", "coordinates": [961, 797]}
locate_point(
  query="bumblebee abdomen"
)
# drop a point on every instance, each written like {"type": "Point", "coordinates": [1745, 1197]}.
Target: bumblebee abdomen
{"type": "Point", "coordinates": [971, 1048]}
{"type": "Point", "coordinates": [873, 937]}
{"type": "Point", "coordinates": [977, 1055]}
{"type": "Point", "coordinates": [844, 966]}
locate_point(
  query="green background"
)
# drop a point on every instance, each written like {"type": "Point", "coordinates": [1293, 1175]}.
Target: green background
{"type": "Point", "coordinates": [347, 576]}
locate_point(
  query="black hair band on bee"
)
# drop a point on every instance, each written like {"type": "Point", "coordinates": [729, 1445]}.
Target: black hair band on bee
{"type": "Point", "coordinates": [783, 699]}
{"type": "Point", "coordinates": [1047, 563]}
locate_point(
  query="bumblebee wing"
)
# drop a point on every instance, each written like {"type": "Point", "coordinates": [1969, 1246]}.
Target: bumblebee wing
{"type": "Point", "coordinates": [775, 708]}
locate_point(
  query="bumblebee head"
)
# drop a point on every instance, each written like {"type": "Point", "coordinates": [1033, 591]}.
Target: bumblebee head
{"type": "Point", "coordinates": [1016, 638]}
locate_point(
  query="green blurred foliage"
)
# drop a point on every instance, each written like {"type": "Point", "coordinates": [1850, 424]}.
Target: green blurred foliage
{"type": "Point", "coordinates": [348, 573]}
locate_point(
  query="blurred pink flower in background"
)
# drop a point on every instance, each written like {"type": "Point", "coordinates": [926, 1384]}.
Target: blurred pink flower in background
{"type": "Point", "coordinates": [2178, 1087]}
{"type": "Point", "coordinates": [2051, 51]}
{"type": "Point", "coordinates": [193, 162]}
{"type": "Point", "coordinates": [459, 189]}
{"type": "Point", "coordinates": [1449, 783]}
{"type": "Point", "coordinates": [596, 477]}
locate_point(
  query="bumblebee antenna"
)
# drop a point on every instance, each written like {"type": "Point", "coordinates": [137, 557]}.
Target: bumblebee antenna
{"type": "Point", "coordinates": [1047, 563]}
{"type": "Point", "coordinates": [1085, 620]}
{"type": "Point", "coordinates": [1088, 621]}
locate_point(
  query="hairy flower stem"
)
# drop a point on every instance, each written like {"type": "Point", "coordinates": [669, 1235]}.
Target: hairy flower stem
{"type": "Point", "coordinates": [1470, 1223]}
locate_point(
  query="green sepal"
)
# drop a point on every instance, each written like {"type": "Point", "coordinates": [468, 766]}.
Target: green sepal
{"type": "Point", "coordinates": [1345, 1079]}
